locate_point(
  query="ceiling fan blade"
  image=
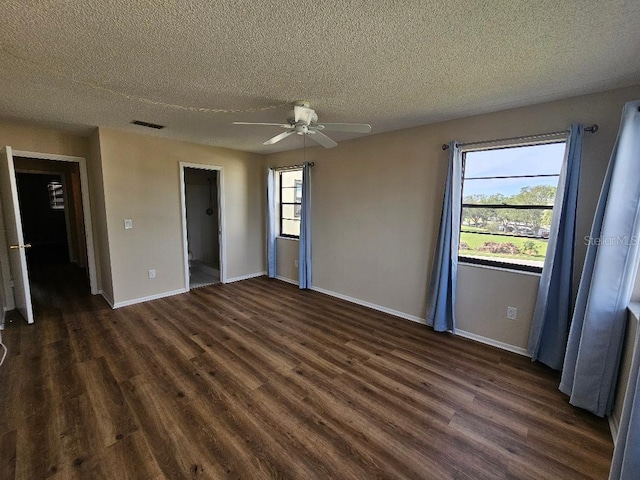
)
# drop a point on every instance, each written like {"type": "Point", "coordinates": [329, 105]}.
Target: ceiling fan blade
{"type": "Point", "coordinates": [322, 139]}
{"type": "Point", "coordinates": [279, 137]}
{"type": "Point", "coordinates": [283, 125]}
{"type": "Point", "coordinates": [303, 114]}
{"type": "Point", "coordinates": [346, 127]}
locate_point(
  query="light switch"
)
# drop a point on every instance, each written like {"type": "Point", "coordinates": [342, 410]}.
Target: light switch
{"type": "Point", "coordinates": [128, 223]}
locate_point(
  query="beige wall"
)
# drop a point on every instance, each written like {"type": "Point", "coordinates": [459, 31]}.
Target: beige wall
{"type": "Point", "coordinates": [377, 201]}
{"type": "Point", "coordinates": [137, 177]}
{"type": "Point", "coordinates": [141, 178]}
{"type": "Point", "coordinates": [42, 140]}
{"type": "Point", "coordinates": [628, 350]}
{"type": "Point", "coordinates": [635, 294]}
{"type": "Point", "coordinates": [99, 217]}
{"type": "Point", "coordinates": [286, 258]}
{"type": "Point", "coordinates": [483, 297]}
{"type": "Point", "coordinates": [25, 137]}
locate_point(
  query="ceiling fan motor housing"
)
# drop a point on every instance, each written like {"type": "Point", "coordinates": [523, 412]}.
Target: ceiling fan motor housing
{"type": "Point", "coordinates": [314, 119]}
{"type": "Point", "coordinates": [304, 121]}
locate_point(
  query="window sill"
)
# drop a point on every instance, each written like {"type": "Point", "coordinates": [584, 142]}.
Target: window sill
{"type": "Point", "coordinates": [634, 308]}
{"type": "Point", "coordinates": [294, 239]}
{"type": "Point", "coordinates": [499, 269]}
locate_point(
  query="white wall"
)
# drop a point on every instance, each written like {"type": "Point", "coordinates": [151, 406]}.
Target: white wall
{"type": "Point", "coordinates": [376, 204]}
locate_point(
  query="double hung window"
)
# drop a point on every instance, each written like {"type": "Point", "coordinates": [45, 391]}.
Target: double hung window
{"type": "Point", "coordinates": [290, 189]}
{"type": "Point", "coordinates": [507, 201]}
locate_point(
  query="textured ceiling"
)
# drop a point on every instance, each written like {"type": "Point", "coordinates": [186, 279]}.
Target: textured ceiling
{"type": "Point", "coordinates": [390, 63]}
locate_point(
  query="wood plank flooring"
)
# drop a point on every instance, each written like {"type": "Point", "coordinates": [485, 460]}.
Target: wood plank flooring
{"type": "Point", "coordinates": [258, 379]}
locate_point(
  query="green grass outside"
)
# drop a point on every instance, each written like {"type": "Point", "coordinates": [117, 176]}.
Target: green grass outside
{"type": "Point", "coordinates": [475, 240]}
{"type": "Point", "coordinates": [474, 229]}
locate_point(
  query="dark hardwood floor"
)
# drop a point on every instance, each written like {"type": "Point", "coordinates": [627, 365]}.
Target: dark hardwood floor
{"type": "Point", "coordinates": [258, 379]}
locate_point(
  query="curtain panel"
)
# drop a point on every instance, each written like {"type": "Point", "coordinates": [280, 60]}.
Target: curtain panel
{"type": "Point", "coordinates": [304, 254]}
{"type": "Point", "coordinates": [271, 223]}
{"type": "Point", "coordinates": [442, 286]}
{"type": "Point", "coordinates": [553, 309]}
{"type": "Point", "coordinates": [597, 328]}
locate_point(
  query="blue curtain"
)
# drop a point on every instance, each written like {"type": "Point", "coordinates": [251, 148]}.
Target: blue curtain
{"type": "Point", "coordinates": [597, 328]}
{"type": "Point", "coordinates": [442, 286]}
{"type": "Point", "coordinates": [304, 255]}
{"type": "Point", "coordinates": [271, 223]}
{"type": "Point", "coordinates": [552, 313]}
{"type": "Point", "coordinates": [626, 456]}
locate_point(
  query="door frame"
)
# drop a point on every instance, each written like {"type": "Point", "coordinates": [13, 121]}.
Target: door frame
{"type": "Point", "coordinates": [221, 220]}
{"type": "Point", "coordinates": [86, 206]}
{"type": "Point", "coordinates": [17, 277]}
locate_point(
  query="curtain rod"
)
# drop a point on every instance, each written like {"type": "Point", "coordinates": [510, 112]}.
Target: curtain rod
{"type": "Point", "coordinates": [592, 129]}
{"type": "Point", "coordinates": [292, 167]}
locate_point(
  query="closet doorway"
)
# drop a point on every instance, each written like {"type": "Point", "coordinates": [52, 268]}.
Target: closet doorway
{"type": "Point", "coordinates": [202, 221]}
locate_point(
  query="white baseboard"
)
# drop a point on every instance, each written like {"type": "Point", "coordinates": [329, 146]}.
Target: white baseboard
{"type": "Point", "coordinates": [245, 277]}
{"type": "Point", "coordinates": [614, 427]}
{"type": "Point", "coordinates": [413, 318]}
{"type": "Point", "coordinates": [373, 306]}
{"type": "Point", "coordinates": [107, 298]}
{"type": "Point", "coordinates": [133, 301]}
{"type": "Point", "coordinates": [288, 280]}
{"type": "Point", "coordinates": [613, 424]}
{"type": "Point", "coordinates": [493, 343]}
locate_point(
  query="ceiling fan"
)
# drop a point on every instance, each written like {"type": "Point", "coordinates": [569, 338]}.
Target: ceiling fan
{"type": "Point", "coordinates": [305, 122]}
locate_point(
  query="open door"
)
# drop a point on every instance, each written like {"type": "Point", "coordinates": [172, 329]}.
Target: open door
{"type": "Point", "coordinates": [15, 238]}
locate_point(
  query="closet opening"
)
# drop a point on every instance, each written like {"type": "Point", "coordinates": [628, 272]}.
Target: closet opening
{"type": "Point", "coordinates": [202, 222]}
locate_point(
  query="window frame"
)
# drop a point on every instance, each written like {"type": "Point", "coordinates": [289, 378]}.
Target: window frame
{"type": "Point", "coordinates": [488, 261]}
{"type": "Point", "coordinates": [282, 204]}
{"type": "Point", "coordinates": [55, 189]}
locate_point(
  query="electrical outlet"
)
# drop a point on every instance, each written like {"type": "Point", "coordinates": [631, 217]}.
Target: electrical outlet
{"type": "Point", "coordinates": [128, 223]}
{"type": "Point", "coordinates": [152, 273]}
{"type": "Point", "coordinates": [512, 313]}
{"type": "Point", "coordinates": [295, 263]}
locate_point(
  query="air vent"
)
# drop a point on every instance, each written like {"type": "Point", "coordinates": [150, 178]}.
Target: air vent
{"type": "Point", "coordinates": [148, 125]}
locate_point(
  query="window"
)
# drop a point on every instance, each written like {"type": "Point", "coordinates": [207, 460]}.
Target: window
{"type": "Point", "coordinates": [290, 202]}
{"type": "Point", "coordinates": [56, 196]}
{"type": "Point", "coordinates": [508, 195]}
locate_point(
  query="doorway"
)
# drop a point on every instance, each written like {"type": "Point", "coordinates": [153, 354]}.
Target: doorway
{"type": "Point", "coordinates": [44, 222]}
{"type": "Point", "coordinates": [63, 173]}
{"type": "Point", "coordinates": [52, 226]}
{"type": "Point", "coordinates": [202, 224]}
